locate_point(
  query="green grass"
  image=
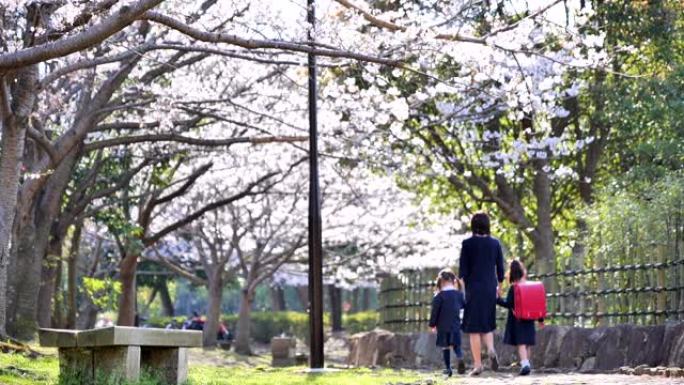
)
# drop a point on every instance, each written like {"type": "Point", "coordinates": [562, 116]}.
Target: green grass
{"type": "Point", "coordinates": [19, 370]}
{"type": "Point", "coordinates": [16, 369]}
{"type": "Point", "coordinates": [296, 376]}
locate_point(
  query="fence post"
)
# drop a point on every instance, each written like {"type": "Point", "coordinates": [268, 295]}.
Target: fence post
{"type": "Point", "coordinates": [662, 283]}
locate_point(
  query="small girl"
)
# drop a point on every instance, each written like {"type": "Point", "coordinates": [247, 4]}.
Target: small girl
{"type": "Point", "coordinates": [445, 319]}
{"type": "Point", "coordinates": [520, 333]}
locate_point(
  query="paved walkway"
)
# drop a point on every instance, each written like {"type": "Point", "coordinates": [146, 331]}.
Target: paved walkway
{"type": "Point", "coordinates": [560, 379]}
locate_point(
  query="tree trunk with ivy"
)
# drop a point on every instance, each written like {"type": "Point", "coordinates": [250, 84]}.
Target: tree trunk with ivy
{"type": "Point", "coordinates": [211, 326]}
{"type": "Point", "coordinates": [127, 301]}
{"type": "Point", "coordinates": [335, 296]}
{"type": "Point", "coordinates": [72, 276]}
{"type": "Point", "coordinates": [243, 335]}
{"type": "Point", "coordinates": [13, 137]}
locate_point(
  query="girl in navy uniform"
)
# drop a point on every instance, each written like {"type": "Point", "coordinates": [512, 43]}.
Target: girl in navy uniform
{"type": "Point", "coordinates": [519, 333]}
{"type": "Point", "coordinates": [445, 319]}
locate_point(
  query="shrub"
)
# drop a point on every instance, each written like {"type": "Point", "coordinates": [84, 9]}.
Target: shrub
{"type": "Point", "coordinates": [266, 325]}
{"type": "Point", "coordinates": [360, 322]}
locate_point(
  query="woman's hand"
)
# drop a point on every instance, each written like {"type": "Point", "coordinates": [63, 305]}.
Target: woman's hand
{"type": "Point", "coordinates": [433, 330]}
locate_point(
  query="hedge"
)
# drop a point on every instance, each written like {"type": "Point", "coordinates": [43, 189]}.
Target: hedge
{"type": "Point", "coordinates": [266, 325]}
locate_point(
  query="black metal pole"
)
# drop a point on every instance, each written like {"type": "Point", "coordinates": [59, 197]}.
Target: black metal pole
{"type": "Point", "coordinates": [315, 233]}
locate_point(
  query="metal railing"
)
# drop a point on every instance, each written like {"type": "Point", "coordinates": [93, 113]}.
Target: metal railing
{"type": "Point", "coordinates": [644, 294]}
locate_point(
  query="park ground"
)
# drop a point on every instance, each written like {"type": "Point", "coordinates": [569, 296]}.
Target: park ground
{"type": "Point", "coordinates": [218, 367]}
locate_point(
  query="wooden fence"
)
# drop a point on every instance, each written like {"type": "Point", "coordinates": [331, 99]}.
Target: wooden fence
{"type": "Point", "coordinates": [643, 294]}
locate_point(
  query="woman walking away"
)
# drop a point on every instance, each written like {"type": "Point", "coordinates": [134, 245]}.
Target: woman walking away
{"type": "Point", "coordinates": [445, 319]}
{"type": "Point", "coordinates": [481, 268]}
{"type": "Point", "coordinates": [519, 333]}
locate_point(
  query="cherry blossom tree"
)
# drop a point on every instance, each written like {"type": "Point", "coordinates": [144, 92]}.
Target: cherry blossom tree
{"type": "Point", "coordinates": [123, 47]}
{"type": "Point", "coordinates": [487, 118]}
{"type": "Point", "coordinates": [472, 104]}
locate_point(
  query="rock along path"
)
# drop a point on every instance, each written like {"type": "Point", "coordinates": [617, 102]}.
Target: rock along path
{"type": "Point", "coordinates": [559, 379]}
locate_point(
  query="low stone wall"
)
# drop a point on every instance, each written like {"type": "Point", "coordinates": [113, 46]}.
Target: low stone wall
{"type": "Point", "coordinates": [600, 349]}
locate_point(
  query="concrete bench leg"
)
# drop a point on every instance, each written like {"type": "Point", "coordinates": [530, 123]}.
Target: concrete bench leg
{"type": "Point", "coordinates": [76, 364]}
{"type": "Point", "coordinates": [171, 364]}
{"type": "Point", "coordinates": [123, 361]}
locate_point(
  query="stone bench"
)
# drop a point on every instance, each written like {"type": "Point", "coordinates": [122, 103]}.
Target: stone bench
{"type": "Point", "coordinates": [283, 351]}
{"type": "Point", "coordinates": [122, 352]}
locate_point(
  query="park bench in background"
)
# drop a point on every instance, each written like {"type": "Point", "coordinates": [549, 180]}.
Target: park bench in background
{"type": "Point", "coordinates": [283, 351]}
{"type": "Point", "coordinates": [122, 351]}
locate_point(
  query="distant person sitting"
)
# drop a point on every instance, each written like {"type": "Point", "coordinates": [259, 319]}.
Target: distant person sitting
{"type": "Point", "coordinates": [194, 323]}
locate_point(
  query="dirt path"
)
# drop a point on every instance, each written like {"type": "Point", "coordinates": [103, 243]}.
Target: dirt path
{"type": "Point", "coordinates": [560, 379]}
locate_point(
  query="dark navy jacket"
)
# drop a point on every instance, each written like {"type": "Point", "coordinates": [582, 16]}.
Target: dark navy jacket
{"type": "Point", "coordinates": [446, 311]}
{"type": "Point", "coordinates": [481, 261]}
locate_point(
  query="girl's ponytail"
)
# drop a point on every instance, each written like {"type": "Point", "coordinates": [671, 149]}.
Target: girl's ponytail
{"type": "Point", "coordinates": [516, 271]}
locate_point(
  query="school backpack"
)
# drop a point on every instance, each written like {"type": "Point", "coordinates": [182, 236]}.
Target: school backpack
{"type": "Point", "coordinates": [530, 300]}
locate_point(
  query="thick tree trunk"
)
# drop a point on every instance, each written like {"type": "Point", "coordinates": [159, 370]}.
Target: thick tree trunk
{"type": "Point", "coordinates": [87, 315]}
{"type": "Point", "coordinates": [57, 317]}
{"type": "Point", "coordinates": [544, 237]}
{"type": "Point", "coordinates": [211, 325]}
{"type": "Point", "coordinates": [579, 252]}
{"type": "Point", "coordinates": [303, 295]}
{"type": "Point", "coordinates": [335, 295]}
{"type": "Point", "coordinates": [25, 278]}
{"type": "Point", "coordinates": [127, 308]}
{"type": "Point", "coordinates": [72, 277]}
{"type": "Point", "coordinates": [32, 232]}
{"type": "Point", "coordinates": [365, 299]}
{"type": "Point", "coordinates": [48, 284]}
{"type": "Point", "coordinates": [278, 298]}
{"type": "Point", "coordinates": [13, 137]}
{"type": "Point", "coordinates": [242, 338]}
{"type": "Point", "coordinates": [167, 302]}
{"type": "Point", "coordinates": [355, 304]}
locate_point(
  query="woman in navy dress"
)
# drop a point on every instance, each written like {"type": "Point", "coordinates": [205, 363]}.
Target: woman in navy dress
{"type": "Point", "coordinates": [482, 269]}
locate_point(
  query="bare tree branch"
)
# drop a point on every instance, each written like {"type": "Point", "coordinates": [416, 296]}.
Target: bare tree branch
{"type": "Point", "coordinates": [185, 187]}
{"type": "Point", "coordinates": [177, 269]}
{"type": "Point", "coordinates": [5, 104]}
{"type": "Point", "coordinates": [249, 190]}
{"type": "Point", "coordinates": [191, 141]}
{"type": "Point", "coordinates": [126, 15]}
{"type": "Point", "coordinates": [44, 143]}
{"type": "Point", "coordinates": [262, 44]}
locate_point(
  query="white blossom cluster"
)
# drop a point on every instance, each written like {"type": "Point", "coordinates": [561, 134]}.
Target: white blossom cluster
{"type": "Point", "coordinates": [368, 113]}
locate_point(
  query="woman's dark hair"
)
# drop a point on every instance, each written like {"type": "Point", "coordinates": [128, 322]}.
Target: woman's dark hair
{"type": "Point", "coordinates": [479, 224]}
{"type": "Point", "coordinates": [446, 275]}
{"type": "Point", "coordinates": [516, 271]}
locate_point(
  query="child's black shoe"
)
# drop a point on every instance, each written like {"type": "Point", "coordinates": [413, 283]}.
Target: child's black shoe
{"type": "Point", "coordinates": [448, 372]}
{"type": "Point", "coordinates": [460, 366]}
{"type": "Point", "coordinates": [525, 370]}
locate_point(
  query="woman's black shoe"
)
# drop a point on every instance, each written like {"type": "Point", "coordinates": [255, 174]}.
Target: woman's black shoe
{"type": "Point", "coordinates": [494, 362]}
{"type": "Point", "coordinates": [460, 368]}
{"type": "Point", "coordinates": [447, 372]}
{"type": "Point", "coordinates": [525, 371]}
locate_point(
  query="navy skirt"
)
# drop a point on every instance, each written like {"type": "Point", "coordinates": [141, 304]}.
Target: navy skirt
{"type": "Point", "coordinates": [447, 339]}
{"type": "Point", "coordinates": [480, 309]}
{"type": "Point", "coordinates": [519, 332]}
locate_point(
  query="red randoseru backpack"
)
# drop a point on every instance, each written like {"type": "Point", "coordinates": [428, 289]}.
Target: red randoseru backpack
{"type": "Point", "coordinates": [530, 300]}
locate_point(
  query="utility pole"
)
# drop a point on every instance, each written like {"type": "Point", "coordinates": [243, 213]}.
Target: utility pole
{"type": "Point", "coordinates": [315, 233]}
